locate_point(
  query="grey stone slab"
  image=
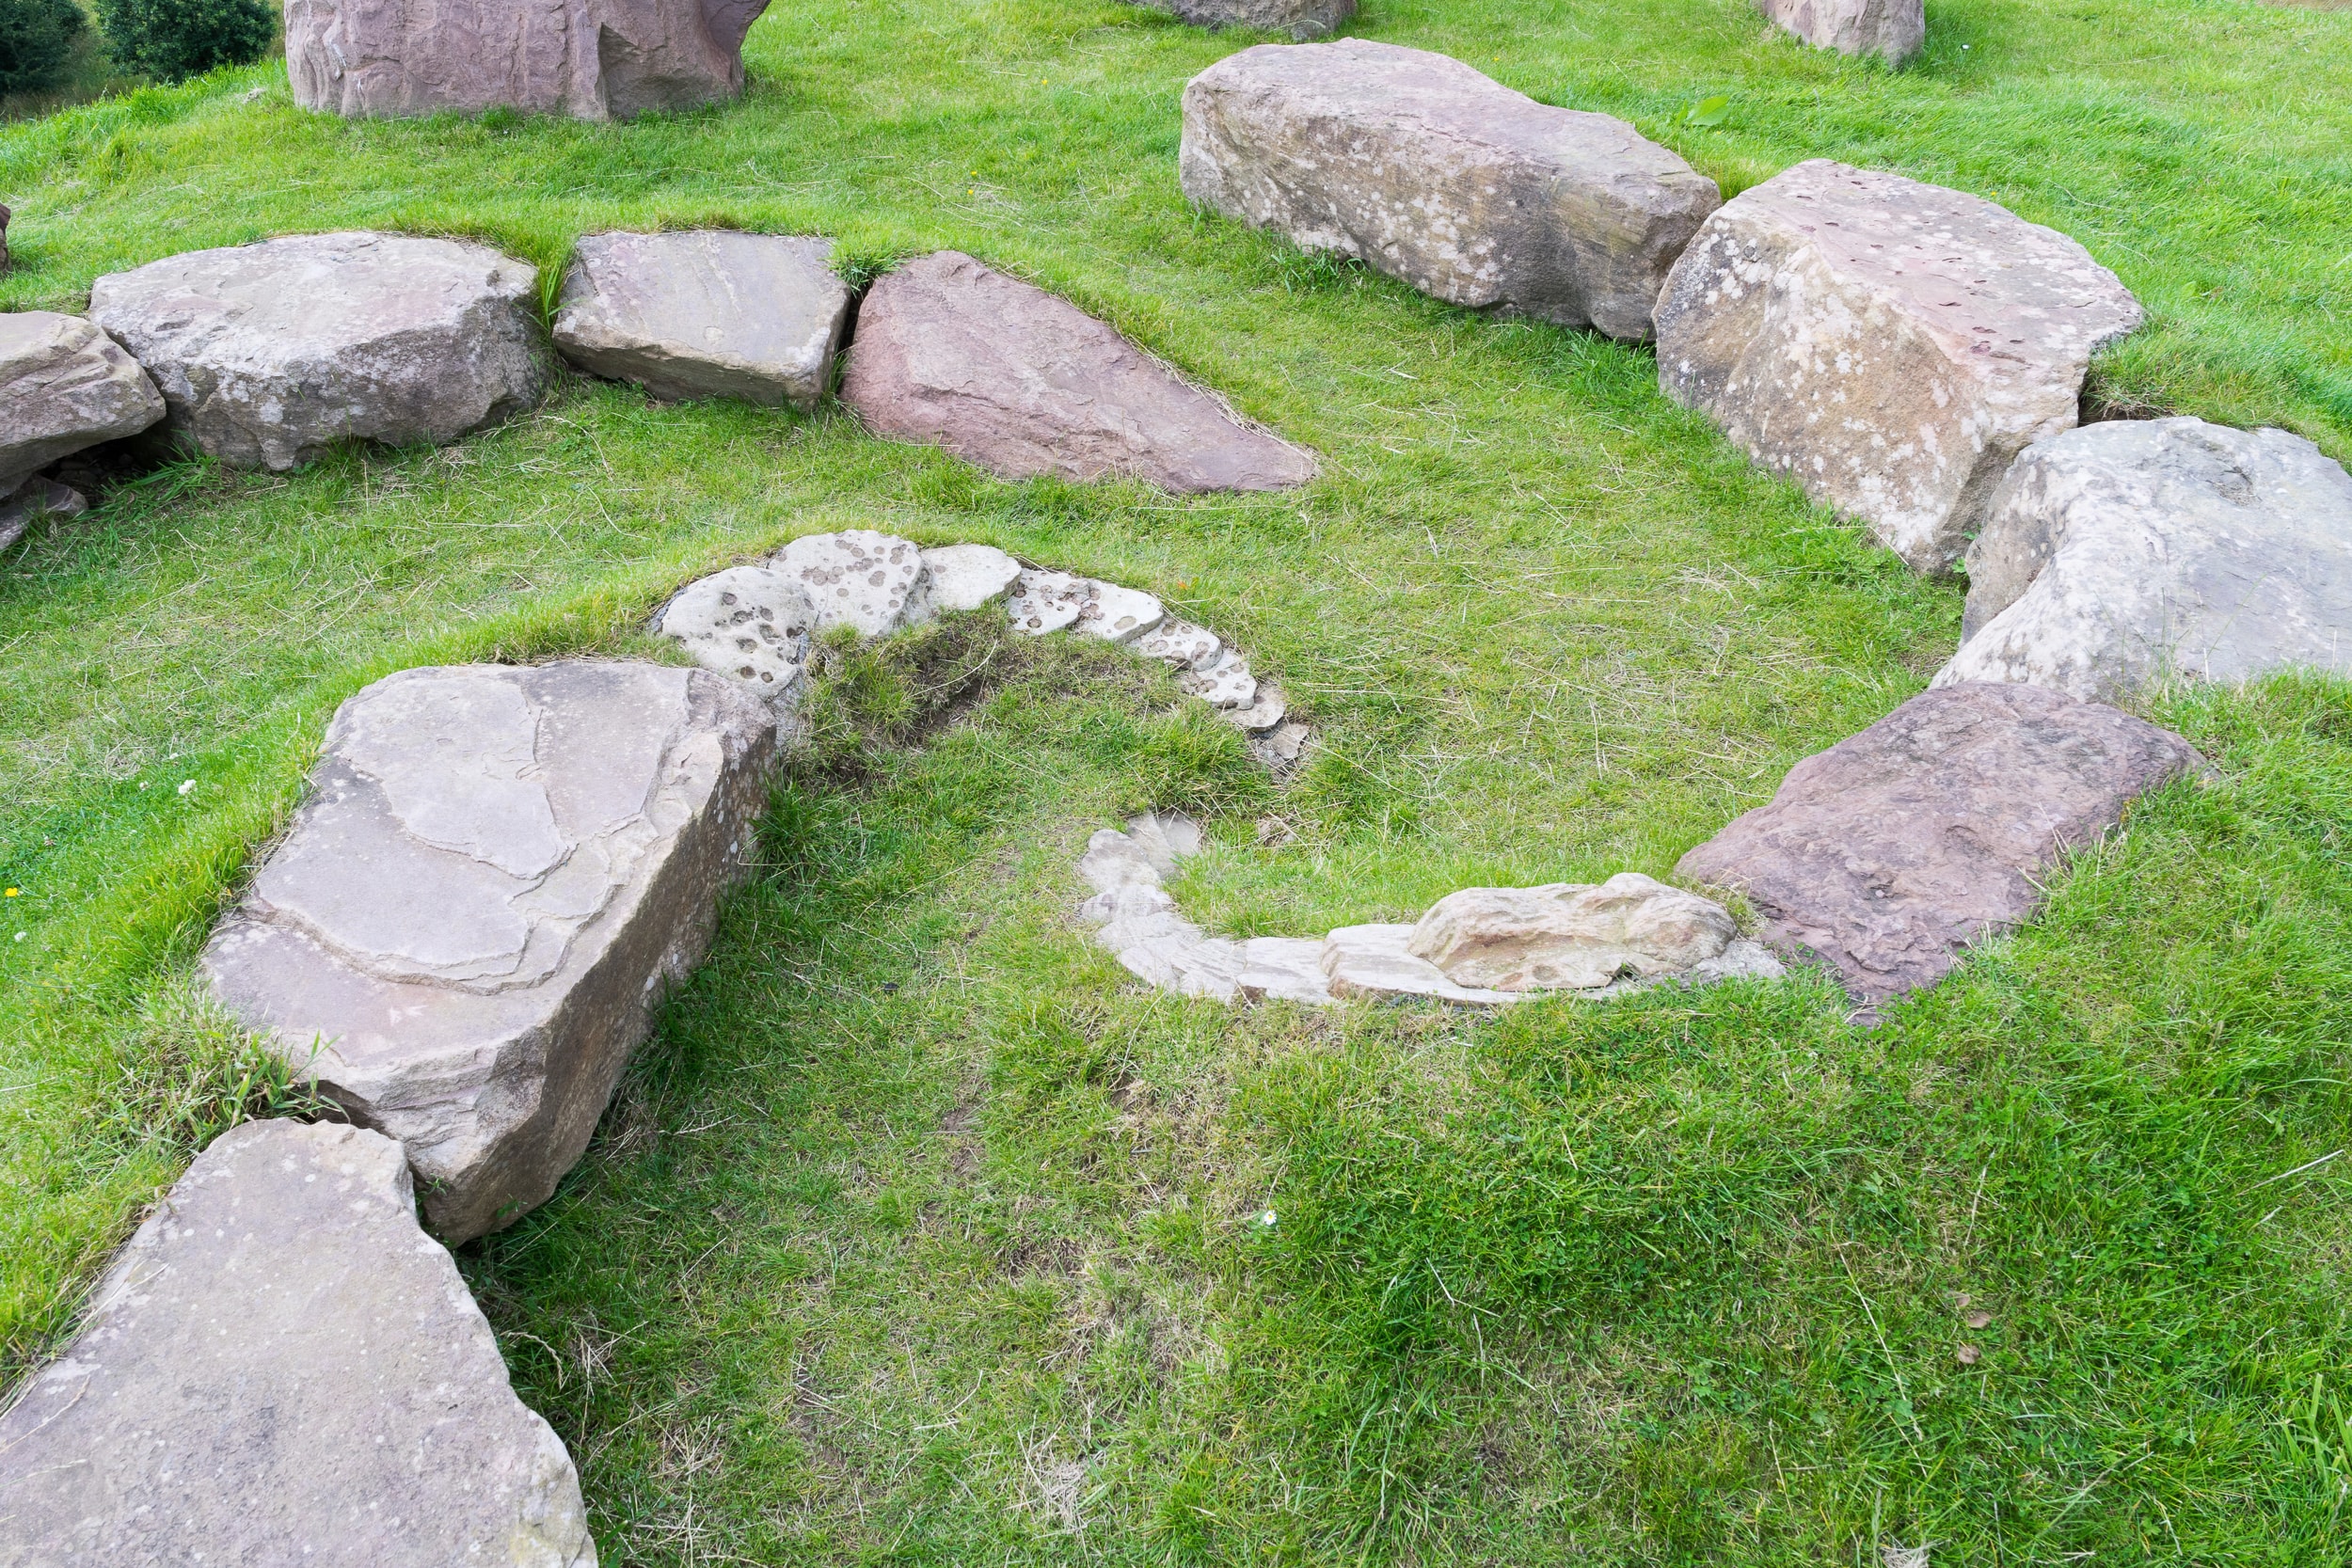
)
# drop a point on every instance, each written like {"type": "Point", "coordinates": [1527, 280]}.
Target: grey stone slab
{"type": "Point", "coordinates": [1892, 30]}
{"type": "Point", "coordinates": [1300, 19]}
{"type": "Point", "coordinates": [1266, 710]}
{"type": "Point", "coordinates": [34, 499]}
{"type": "Point", "coordinates": [64, 384]}
{"type": "Point", "coordinates": [868, 582]}
{"type": "Point", "coordinates": [1285, 969]}
{"type": "Point", "coordinates": [1187, 965]}
{"type": "Point", "coordinates": [1178, 643]}
{"type": "Point", "coordinates": [1570, 936]}
{"type": "Point", "coordinates": [1222, 680]}
{"type": "Point", "coordinates": [1113, 859]}
{"type": "Point", "coordinates": [751, 624]}
{"type": "Point", "coordinates": [1378, 960]}
{"type": "Point", "coordinates": [966, 577]}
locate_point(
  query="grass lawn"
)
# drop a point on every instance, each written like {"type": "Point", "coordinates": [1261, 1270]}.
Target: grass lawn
{"type": "Point", "coordinates": [916, 1234]}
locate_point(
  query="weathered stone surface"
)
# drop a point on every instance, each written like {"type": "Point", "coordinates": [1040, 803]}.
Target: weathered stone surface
{"type": "Point", "coordinates": [1007, 377]}
{"type": "Point", "coordinates": [1045, 601]}
{"type": "Point", "coordinates": [2120, 552]}
{"type": "Point", "coordinates": [1114, 860]}
{"type": "Point", "coordinates": [1165, 838]}
{"type": "Point", "coordinates": [64, 384]}
{"type": "Point", "coordinates": [1569, 935]}
{"type": "Point", "coordinates": [857, 577]}
{"type": "Point", "coordinates": [1188, 966]}
{"type": "Point", "coordinates": [966, 576]}
{"type": "Point", "coordinates": [1221, 680]}
{"type": "Point", "coordinates": [1129, 914]}
{"type": "Point", "coordinates": [706, 313]}
{"type": "Point", "coordinates": [497, 872]}
{"type": "Point", "coordinates": [1378, 960]}
{"type": "Point", "coordinates": [1265, 710]}
{"type": "Point", "coordinates": [36, 498]}
{"type": "Point", "coordinates": [751, 624]}
{"type": "Point", "coordinates": [1280, 747]}
{"type": "Point", "coordinates": [280, 1369]}
{"type": "Point", "coordinates": [268, 353]}
{"type": "Point", "coordinates": [1301, 19]}
{"type": "Point", "coordinates": [1428, 171]}
{"type": "Point", "coordinates": [1892, 30]}
{"type": "Point", "coordinates": [1889, 345]}
{"type": "Point", "coordinates": [1285, 969]}
{"type": "Point", "coordinates": [592, 59]}
{"type": "Point", "coordinates": [1898, 847]}
{"type": "Point", "coordinates": [1178, 643]}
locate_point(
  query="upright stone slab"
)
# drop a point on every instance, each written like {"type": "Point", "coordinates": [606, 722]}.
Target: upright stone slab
{"type": "Point", "coordinates": [1889, 345]}
{"type": "Point", "coordinates": [1889, 852]}
{"type": "Point", "coordinates": [267, 354]}
{"type": "Point", "coordinates": [282, 1369]}
{"type": "Point", "coordinates": [1428, 171]}
{"type": "Point", "coordinates": [1007, 377]}
{"type": "Point", "coordinates": [1300, 19]}
{"type": "Point", "coordinates": [64, 384]}
{"type": "Point", "coordinates": [2121, 553]}
{"type": "Point", "coordinates": [499, 868]}
{"type": "Point", "coordinates": [1892, 30]}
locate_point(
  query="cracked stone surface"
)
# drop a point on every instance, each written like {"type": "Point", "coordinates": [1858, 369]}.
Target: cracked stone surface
{"type": "Point", "coordinates": [966, 576]}
{"type": "Point", "coordinates": [751, 624]}
{"type": "Point", "coordinates": [1265, 710]}
{"type": "Point", "coordinates": [1892, 30]}
{"type": "Point", "coordinates": [1424, 169]}
{"type": "Point", "coordinates": [496, 873]}
{"type": "Point", "coordinates": [1300, 19]}
{"type": "Point", "coordinates": [1378, 960]}
{"type": "Point", "coordinates": [64, 384]}
{"type": "Point", "coordinates": [281, 1367]}
{"type": "Point", "coordinates": [1045, 601]}
{"type": "Point", "coordinates": [857, 578]}
{"type": "Point", "coordinates": [1570, 935]}
{"type": "Point", "coordinates": [1889, 345]}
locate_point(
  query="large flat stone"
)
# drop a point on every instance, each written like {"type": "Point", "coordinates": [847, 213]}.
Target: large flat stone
{"type": "Point", "coordinates": [1889, 345]}
{"type": "Point", "coordinates": [280, 1369]}
{"type": "Point", "coordinates": [2118, 553]}
{"type": "Point", "coordinates": [496, 874]}
{"type": "Point", "coordinates": [1010, 377]}
{"type": "Point", "coordinates": [1426, 171]}
{"type": "Point", "coordinates": [1893, 29]}
{"type": "Point", "coordinates": [1300, 19]}
{"type": "Point", "coordinates": [64, 384]}
{"type": "Point", "coordinates": [1570, 936]}
{"type": "Point", "coordinates": [267, 354]}
{"type": "Point", "coordinates": [1897, 848]}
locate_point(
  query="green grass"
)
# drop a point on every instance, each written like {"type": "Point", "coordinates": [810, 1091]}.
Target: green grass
{"type": "Point", "coordinates": [916, 1235]}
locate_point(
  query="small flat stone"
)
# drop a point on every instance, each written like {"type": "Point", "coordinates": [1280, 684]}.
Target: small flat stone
{"type": "Point", "coordinates": [750, 624]}
{"type": "Point", "coordinates": [1189, 966]}
{"type": "Point", "coordinates": [966, 576]}
{"type": "Point", "coordinates": [1285, 969]}
{"type": "Point", "coordinates": [1045, 601]}
{"type": "Point", "coordinates": [1117, 614]}
{"type": "Point", "coordinates": [1377, 960]}
{"type": "Point", "coordinates": [1112, 859]}
{"type": "Point", "coordinates": [34, 498]}
{"type": "Point", "coordinates": [1282, 746]}
{"type": "Point", "coordinates": [1266, 710]}
{"type": "Point", "coordinates": [1570, 936]}
{"type": "Point", "coordinates": [858, 578]}
{"type": "Point", "coordinates": [1134, 913]}
{"type": "Point", "coordinates": [1893, 29]}
{"type": "Point", "coordinates": [1743, 958]}
{"type": "Point", "coordinates": [64, 385]}
{"type": "Point", "coordinates": [1178, 643]}
{"type": "Point", "coordinates": [1223, 682]}
{"type": "Point", "coordinates": [1165, 838]}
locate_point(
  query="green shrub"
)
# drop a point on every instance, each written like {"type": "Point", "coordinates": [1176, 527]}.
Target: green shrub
{"type": "Point", "coordinates": [172, 38]}
{"type": "Point", "coordinates": [35, 37]}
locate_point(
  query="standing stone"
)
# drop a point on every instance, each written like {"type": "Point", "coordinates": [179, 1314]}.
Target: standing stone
{"type": "Point", "coordinates": [498, 871]}
{"type": "Point", "coordinates": [857, 577]}
{"type": "Point", "coordinates": [280, 1369]}
{"type": "Point", "coordinates": [592, 59]}
{"type": "Point", "coordinates": [1569, 935]}
{"type": "Point", "coordinates": [1007, 377]}
{"type": "Point", "coordinates": [2117, 553]}
{"type": "Point", "coordinates": [1892, 30]}
{"type": "Point", "coordinates": [267, 354]}
{"type": "Point", "coordinates": [1426, 171]}
{"type": "Point", "coordinates": [1300, 19]}
{"type": "Point", "coordinates": [706, 315]}
{"type": "Point", "coordinates": [1889, 852]}
{"type": "Point", "coordinates": [750, 624]}
{"type": "Point", "coordinates": [64, 384]}
{"type": "Point", "coordinates": [1889, 345]}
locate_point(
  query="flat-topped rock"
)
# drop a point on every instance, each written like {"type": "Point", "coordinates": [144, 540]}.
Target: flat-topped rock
{"type": "Point", "coordinates": [751, 624]}
{"type": "Point", "coordinates": [1424, 169]}
{"type": "Point", "coordinates": [496, 873]}
{"type": "Point", "coordinates": [1300, 19]}
{"type": "Point", "coordinates": [2120, 553]}
{"type": "Point", "coordinates": [1889, 345]}
{"type": "Point", "coordinates": [1570, 936]}
{"type": "Point", "coordinates": [1892, 30]}
{"type": "Point", "coordinates": [1010, 377]}
{"type": "Point", "coordinates": [966, 576]}
{"type": "Point", "coordinates": [1222, 679]}
{"type": "Point", "coordinates": [281, 1367]}
{"type": "Point", "coordinates": [267, 354]}
{"type": "Point", "coordinates": [64, 384]}
{"type": "Point", "coordinates": [1897, 848]}
{"type": "Point", "coordinates": [858, 578]}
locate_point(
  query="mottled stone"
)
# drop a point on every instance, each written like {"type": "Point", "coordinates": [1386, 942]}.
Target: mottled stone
{"type": "Point", "coordinates": [1045, 601]}
{"type": "Point", "coordinates": [1178, 643]}
{"type": "Point", "coordinates": [1221, 680]}
{"type": "Point", "coordinates": [36, 498]}
{"type": "Point", "coordinates": [751, 624]}
{"type": "Point", "coordinates": [1569, 935]}
{"type": "Point", "coordinates": [966, 576]}
{"type": "Point", "coordinates": [1300, 19]}
{"type": "Point", "coordinates": [1188, 966]}
{"type": "Point", "coordinates": [1285, 969]}
{"type": "Point", "coordinates": [1112, 860]}
{"type": "Point", "coordinates": [858, 578]}
{"type": "Point", "coordinates": [1129, 914]}
{"type": "Point", "coordinates": [1265, 710]}
{"type": "Point", "coordinates": [1892, 30]}
{"type": "Point", "coordinates": [64, 384]}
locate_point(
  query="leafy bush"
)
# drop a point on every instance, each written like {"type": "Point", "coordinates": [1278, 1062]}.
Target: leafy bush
{"type": "Point", "coordinates": [36, 37]}
{"type": "Point", "coordinates": [172, 38]}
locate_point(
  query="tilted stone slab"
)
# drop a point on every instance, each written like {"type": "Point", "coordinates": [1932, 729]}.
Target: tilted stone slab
{"type": "Point", "coordinates": [750, 624]}
{"type": "Point", "coordinates": [497, 872]}
{"type": "Point", "coordinates": [1427, 170]}
{"type": "Point", "coordinates": [706, 313]}
{"type": "Point", "coordinates": [1010, 377]}
{"type": "Point", "coordinates": [1893, 29]}
{"type": "Point", "coordinates": [267, 354]}
{"type": "Point", "coordinates": [2118, 553]}
{"type": "Point", "coordinates": [1570, 936]}
{"type": "Point", "coordinates": [281, 1367]}
{"type": "Point", "coordinates": [1897, 848]}
{"type": "Point", "coordinates": [966, 576]}
{"type": "Point", "coordinates": [64, 384]}
{"type": "Point", "coordinates": [1889, 345]}
{"type": "Point", "coordinates": [1301, 19]}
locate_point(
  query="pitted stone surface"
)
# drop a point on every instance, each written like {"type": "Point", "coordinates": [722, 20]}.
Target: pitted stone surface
{"type": "Point", "coordinates": [1117, 614]}
{"type": "Point", "coordinates": [1007, 377]}
{"type": "Point", "coordinates": [2120, 552]}
{"type": "Point", "coordinates": [1423, 169]}
{"type": "Point", "coordinates": [64, 384]}
{"type": "Point", "coordinates": [857, 577]}
{"type": "Point", "coordinates": [1892, 30]}
{"type": "Point", "coordinates": [1265, 710]}
{"type": "Point", "coordinates": [1178, 643]}
{"type": "Point", "coordinates": [1045, 601]}
{"type": "Point", "coordinates": [1222, 680]}
{"type": "Point", "coordinates": [751, 624]}
{"type": "Point", "coordinates": [706, 313]}
{"type": "Point", "coordinates": [279, 1367]}
{"type": "Point", "coordinates": [496, 871]}
{"type": "Point", "coordinates": [1568, 935]}
{"type": "Point", "coordinates": [266, 354]}
{"type": "Point", "coordinates": [966, 576]}
{"type": "Point", "coordinates": [1889, 345]}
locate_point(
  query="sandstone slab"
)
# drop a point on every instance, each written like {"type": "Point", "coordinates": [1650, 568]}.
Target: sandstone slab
{"type": "Point", "coordinates": [1378, 960]}
{"type": "Point", "coordinates": [1889, 345]}
{"type": "Point", "coordinates": [281, 1367]}
{"type": "Point", "coordinates": [267, 354]}
{"type": "Point", "coordinates": [1892, 30]}
{"type": "Point", "coordinates": [1285, 969]}
{"type": "Point", "coordinates": [64, 384]}
{"type": "Point", "coordinates": [1897, 848]}
{"type": "Point", "coordinates": [1424, 169]}
{"type": "Point", "coordinates": [1570, 935]}
{"type": "Point", "coordinates": [497, 872]}
{"type": "Point", "coordinates": [1010, 377]}
{"type": "Point", "coordinates": [1187, 965]}
{"type": "Point", "coordinates": [34, 499]}
{"type": "Point", "coordinates": [966, 576]}
{"type": "Point", "coordinates": [751, 624]}
{"type": "Point", "coordinates": [1300, 19]}
{"type": "Point", "coordinates": [858, 578]}
{"type": "Point", "coordinates": [2120, 552]}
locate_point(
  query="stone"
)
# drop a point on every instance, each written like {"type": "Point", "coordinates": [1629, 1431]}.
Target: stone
{"type": "Point", "coordinates": [1426, 171]}
{"type": "Point", "coordinates": [1010, 377]}
{"type": "Point", "coordinates": [1285, 969]}
{"type": "Point", "coordinates": [1569, 935]}
{"type": "Point", "coordinates": [1266, 712]}
{"type": "Point", "coordinates": [858, 578]}
{"type": "Point", "coordinates": [1113, 860]}
{"type": "Point", "coordinates": [706, 313]}
{"type": "Point", "coordinates": [751, 624]}
{"type": "Point", "coordinates": [1043, 601]}
{"type": "Point", "coordinates": [36, 498]}
{"type": "Point", "coordinates": [1377, 960]}
{"type": "Point", "coordinates": [281, 1367]}
{"type": "Point", "coordinates": [1889, 345]}
{"type": "Point", "coordinates": [1892, 30]}
{"type": "Point", "coordinates": [1117, 614]}
{"type": "Point", "coordinates": [1300, 19]}
{"type": "Point", "coordinates": [966, 577]}
{"type": "Point", "coordinates": [1178, 643]}
{"type": "Point", "coordinates": [5, 260]}
{"type": "Point", "coordinates": [1280, 747]}
{"type": "Point", "coordinates": [268, 354]}
{"type": "Point", "coordinates": [1934, 828]}
{"type": "Point", "coordinates": [1743, 959]}
{"type": "Point", "coordinates": [1223, 680]}
{"type": "Point", "coordinates": [1129, 914]}
{"type": "Point", "coordinates": [64, 384]}
{"type": "Point", "coordinates": [2120, 553]}
{"type": "Point", "coordinates": [1188, 966]}
{"type": "Point", "coordinates": [590, 59]}
{"type": "Point", "coordinates": [497, 870]}
{"type": "Point", "coordinates": [1165, 838]}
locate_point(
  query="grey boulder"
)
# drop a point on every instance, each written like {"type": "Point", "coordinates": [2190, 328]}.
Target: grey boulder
{"type": "Point", "coordinates": [1892, 30]}
{"type": "Point", "coordinates": [497, 870]}
{"type": "Point", "coordinates": [267, 354]}
{"type": "Point", "coordinates": [1301, 19]}
{"type": "Point", "coordinates": [1891, 346]}
{"type": "Point", "coordinates": [280, 1369]}
{"type": "Point", "coordinates": [2118, 553]}
{"type": "Point", "coordinates": [1425, 169]}
{"type": "Point", "coordinates": [64, 384]}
